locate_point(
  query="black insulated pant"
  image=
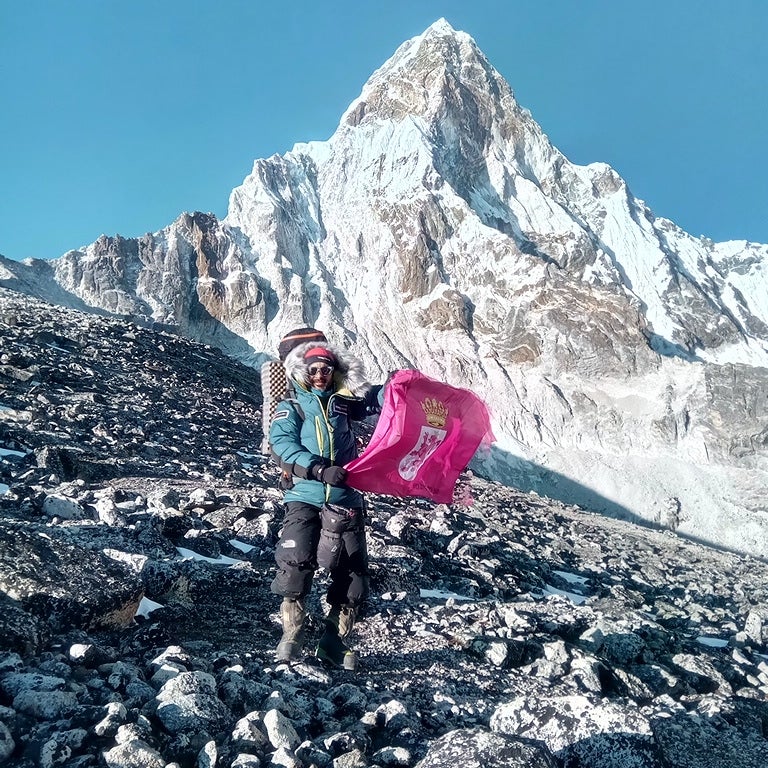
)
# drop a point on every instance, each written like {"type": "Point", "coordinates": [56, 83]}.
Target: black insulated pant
{"type": "Point", "coordinates": [296, 556]}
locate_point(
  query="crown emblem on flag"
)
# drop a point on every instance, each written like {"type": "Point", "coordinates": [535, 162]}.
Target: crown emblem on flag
{"type": "Point", "coordinates": [437, 413]}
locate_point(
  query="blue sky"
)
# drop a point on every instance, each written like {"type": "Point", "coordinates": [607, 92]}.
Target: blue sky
{"type": "Point", "coordinates": [119, 116]}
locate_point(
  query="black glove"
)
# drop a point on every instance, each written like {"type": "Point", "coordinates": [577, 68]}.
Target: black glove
{"type": "Point", "coordinates": [330, 475]}
{"type": "Point", "coordinates": [312, 472]}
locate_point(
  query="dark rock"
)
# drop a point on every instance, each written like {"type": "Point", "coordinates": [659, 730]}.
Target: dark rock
{"type": "Point", "coordinates": [56, 581]}
{"type": "Point", "coordinates": [478, 748]}
{"type": "Point", "coordinates": [694, 742]}
{"type": "Point", "coordinates": [189, 702]}
{"type": "Point", "coordinates": [561, 722]}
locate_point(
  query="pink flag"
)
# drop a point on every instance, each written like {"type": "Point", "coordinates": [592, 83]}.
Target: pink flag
{"type": "Point", "coordinates": [426, 435]}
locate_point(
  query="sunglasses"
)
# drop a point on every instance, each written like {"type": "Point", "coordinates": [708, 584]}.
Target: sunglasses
{"type": "Point", "coordinates": [325, 370]}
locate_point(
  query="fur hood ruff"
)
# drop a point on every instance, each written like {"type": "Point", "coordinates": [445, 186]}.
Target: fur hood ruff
{"type": "Point", "coordinates": [349, 374]}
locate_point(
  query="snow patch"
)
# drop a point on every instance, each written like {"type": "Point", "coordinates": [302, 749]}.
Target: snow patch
{"type": "Point", "coordinates": [147, 606]}
{"type": "Point", "coordinates": [712, 642]}
{"type": "Point", "coordinates": [241, 545]}
{"type": "Point", "coordinates": [9, 452]}
{"type": "Point", "coordinates": [440, 594]}
{"type": "Point", "coordinates": [574, 597]}
{"type": "Point", "coordinates": [188, 554]}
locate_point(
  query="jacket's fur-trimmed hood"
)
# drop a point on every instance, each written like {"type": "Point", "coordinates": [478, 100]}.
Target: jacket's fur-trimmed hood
{"type": "Point", "coordinates": [349, 374]}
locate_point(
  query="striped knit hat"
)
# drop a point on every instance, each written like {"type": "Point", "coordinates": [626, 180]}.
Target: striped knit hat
{"type": "Point", "coordinates": [296, 337]}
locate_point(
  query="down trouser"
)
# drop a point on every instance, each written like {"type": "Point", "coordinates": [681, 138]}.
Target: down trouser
{"type": "Point", "coordinates": [301, 544]}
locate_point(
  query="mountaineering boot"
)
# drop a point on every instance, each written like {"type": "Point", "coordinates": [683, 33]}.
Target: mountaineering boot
{"type": "Point", "coordinates": [347, 618]}
{"type": "Point", "coordinates": [292, 615]}
{"type": "Point", "coordinates": [331, 648]}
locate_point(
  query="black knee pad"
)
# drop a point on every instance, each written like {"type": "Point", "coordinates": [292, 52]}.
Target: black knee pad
{"type": "Point", "coordinates": [292, 582]}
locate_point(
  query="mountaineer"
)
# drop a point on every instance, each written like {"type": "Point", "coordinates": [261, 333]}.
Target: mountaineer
{"type": "Point", "coordinates": [324, 524]}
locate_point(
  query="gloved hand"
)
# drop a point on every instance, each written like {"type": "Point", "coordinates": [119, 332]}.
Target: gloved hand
{"type": "Point", "coordinates": [330, 475]}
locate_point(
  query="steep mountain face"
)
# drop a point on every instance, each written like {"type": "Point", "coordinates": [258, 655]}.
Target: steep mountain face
{"type": "Point", "coordinates": [624, 360]}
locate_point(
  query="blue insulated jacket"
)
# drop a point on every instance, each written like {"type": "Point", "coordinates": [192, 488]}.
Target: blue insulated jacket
{"type": "Point", "coordinates": [319, 430]}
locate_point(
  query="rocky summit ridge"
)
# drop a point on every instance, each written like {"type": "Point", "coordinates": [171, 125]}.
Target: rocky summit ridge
{"type": "Point", "coordinates": [137, 531]}
{"type": "Point", "coordinates": [624, 359]}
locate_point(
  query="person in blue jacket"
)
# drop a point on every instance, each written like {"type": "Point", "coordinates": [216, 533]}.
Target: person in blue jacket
{"type": "Point", "coordinates": [324, 523]}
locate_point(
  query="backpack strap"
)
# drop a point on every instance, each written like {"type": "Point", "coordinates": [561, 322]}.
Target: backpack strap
{"type": "Point", "coordinates": [284, 465]}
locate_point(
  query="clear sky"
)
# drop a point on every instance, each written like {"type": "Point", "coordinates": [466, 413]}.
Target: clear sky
{"type": "Point", "coordinates": [119, 115]}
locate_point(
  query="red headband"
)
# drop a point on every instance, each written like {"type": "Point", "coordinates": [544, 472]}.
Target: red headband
{"type": "Point", "coordinates": [320, 353]}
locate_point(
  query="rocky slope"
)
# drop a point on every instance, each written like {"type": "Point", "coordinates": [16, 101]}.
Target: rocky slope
{"type": "Point", "coordinates": [438, 228]}
{"type": "Point", "coordinates": [506, 629]}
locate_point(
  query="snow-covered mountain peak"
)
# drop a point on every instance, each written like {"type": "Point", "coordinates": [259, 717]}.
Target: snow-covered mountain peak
{"type": "Point", "coordinates": [427, 77]}
{"type": "Point", "coordinates": [442, 27]}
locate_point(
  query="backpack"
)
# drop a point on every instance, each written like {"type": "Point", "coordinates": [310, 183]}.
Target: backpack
{"type": "Point", "coordinates": [275, 387]}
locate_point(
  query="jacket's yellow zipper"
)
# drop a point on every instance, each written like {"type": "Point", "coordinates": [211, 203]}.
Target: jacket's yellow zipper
{"type": "Point", "coordinates": [320, 441]}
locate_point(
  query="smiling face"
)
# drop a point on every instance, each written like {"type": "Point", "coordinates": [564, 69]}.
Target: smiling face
{"type": "Point", "coordinates": [320, 364]}
{"type": "Point", "coordinates": [320, 375]}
